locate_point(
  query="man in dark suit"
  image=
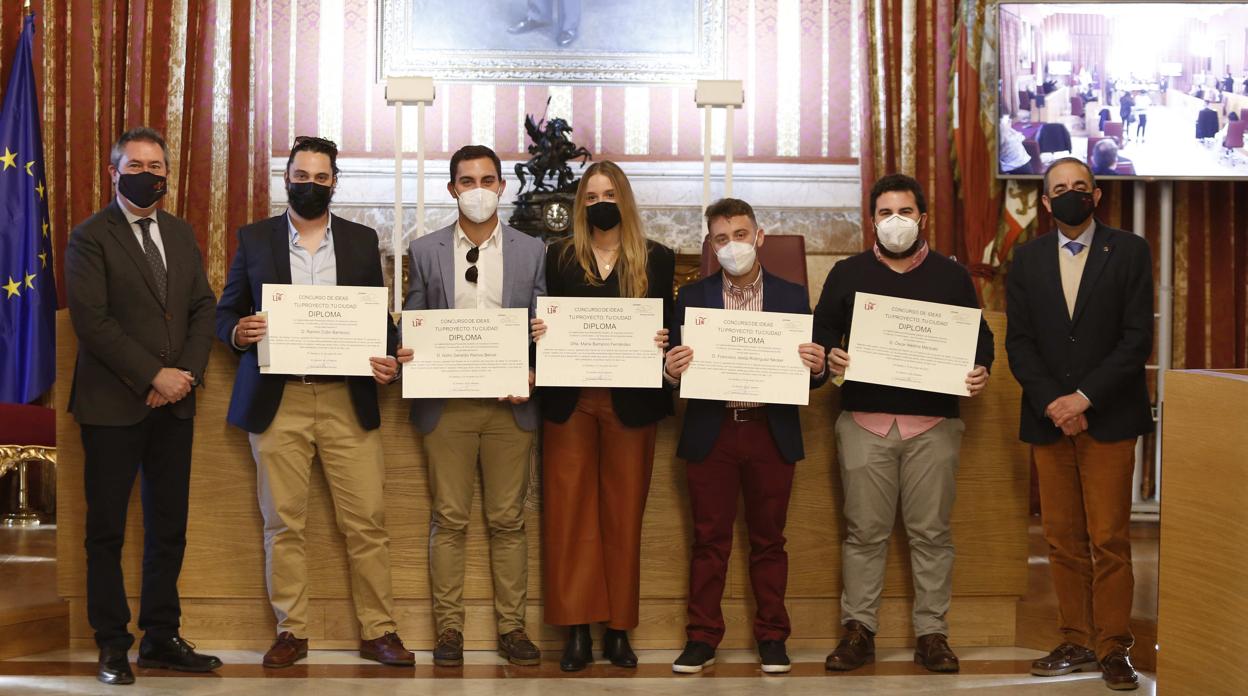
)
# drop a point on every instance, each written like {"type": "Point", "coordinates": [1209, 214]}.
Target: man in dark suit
{"type": "Point", "coordinates": [142, 310]}
{"type": "Point", "coordinates": [290, 418]}
{"type": "Point", "coordinates": [1080, 310]}
{"type": "Point", "coordinates": [735, 448]}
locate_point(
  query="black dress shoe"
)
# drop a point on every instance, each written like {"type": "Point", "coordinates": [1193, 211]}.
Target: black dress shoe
{"type": "Point", "coordinates": [615, 648]}
{"type": "Point", "coordinates": [525, 26]}
{"type": "Point", "coordinates": [114, 667]}
{"type": "Point", "coordinates": [566, 38]}
{"type": "Point", "coordinates": [174, 653]}
{"type": "Point", "coordinates": [578, 652]}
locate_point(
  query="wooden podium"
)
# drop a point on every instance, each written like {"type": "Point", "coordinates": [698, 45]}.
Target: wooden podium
{"type": "Point", "coordinates": [1202, 614]}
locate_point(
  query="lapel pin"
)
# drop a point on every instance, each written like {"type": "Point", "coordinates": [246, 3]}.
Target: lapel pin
{"type": "Point", "coordinates": [1105, 248]}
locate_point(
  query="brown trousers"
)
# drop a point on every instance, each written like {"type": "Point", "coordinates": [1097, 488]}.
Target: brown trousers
{"type": "Point", "coordinates": [1085, 503]}
{"type": "Point", "coordinates": [595, 475]}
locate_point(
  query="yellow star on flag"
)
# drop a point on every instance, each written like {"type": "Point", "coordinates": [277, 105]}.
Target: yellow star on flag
{"type": "Point", "coordinates": [45, 228]}
{"type": "Point", "coordinates": [28, 166]}
{"type": "Point", "coordinates": [39, 188]}
{"type": "Point", "coordinates": [30, 281]}
{"type": "Point", "coordinates": [13, 287]}
{"type": "Point", "coordinates": [8, 158]}
{"type": "Point", "coordinates": [43, 259]}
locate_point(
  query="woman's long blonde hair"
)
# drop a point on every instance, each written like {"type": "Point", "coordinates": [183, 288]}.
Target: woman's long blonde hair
{"type": "Point", "coordinates": [631, 264]}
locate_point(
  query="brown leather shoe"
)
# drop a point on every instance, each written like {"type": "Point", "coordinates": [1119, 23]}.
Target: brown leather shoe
{"type": "Point", "coordinates": [518, 649]}
{"type": "Point", "coordinates": [286, 651]}
{"type": "Point", "coordinates": [388, 650]}
{"type": "Point", "coordinates": [933, 652]}
{"type": "Point", "coordinates": [1118, 673]}
{"type": "Point", "coordinates": [1064, 659]}
{"type": "Point", "coordinates": [449, 650]}
{"type": "Point", "coordinates": [857, 648]}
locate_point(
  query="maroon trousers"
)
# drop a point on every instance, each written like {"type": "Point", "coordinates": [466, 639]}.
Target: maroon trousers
{"type": "Point", "coordinates": [745, 460]}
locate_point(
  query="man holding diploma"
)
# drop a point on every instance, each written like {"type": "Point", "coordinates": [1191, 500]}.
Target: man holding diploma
{"type": "Point", "coordinates": [736, 447]}
{"type": "Point", "coordinates": [893, 441]}
{"type": "Point", "coordinates": [291, 418]}
{"type": "Point", "coordinates": [477, 263]}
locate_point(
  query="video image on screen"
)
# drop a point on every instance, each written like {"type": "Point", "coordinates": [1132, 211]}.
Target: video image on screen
{"type": "Point", "coordinates": [1133, 89]}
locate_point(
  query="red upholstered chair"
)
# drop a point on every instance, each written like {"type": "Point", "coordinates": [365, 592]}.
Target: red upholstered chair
{"type": "Point", "coordinates": [783, 255]}
{"type": "Point", "coordinates": [1076, 106]}
{"type": "Point", "coordinates": [27, 435]}
{"type": "Point", "coordinates": [1113, 129]}
{"type": "Point", "coordinates": [1033, 148]}
{"type": "Point", "coordinates": [1234, 136]}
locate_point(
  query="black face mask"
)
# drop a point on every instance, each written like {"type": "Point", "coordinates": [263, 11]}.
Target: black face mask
{"type": "Point", "coordinates": [142, 189]}
{"type": "Point", "coordinates": [604, 215]}
{"type": "Point", "coordinates": [1073, 208]}
{"type": "Point", "coordinates": [309, 199]}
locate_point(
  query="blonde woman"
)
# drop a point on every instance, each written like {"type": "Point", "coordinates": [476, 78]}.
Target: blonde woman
{"type": "Point", "coordinates": [598, 443]}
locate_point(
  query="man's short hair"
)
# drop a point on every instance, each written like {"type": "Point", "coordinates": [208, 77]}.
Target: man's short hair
{"type": "Point", "coordinates": [312, 143]}
{"type": "Point", "coordinates": [1068, 160]}
{"type": "Point", "coordinates": [729, 208]}
{"type": "Point", "coordinates": [471, 152]}
{"type": "Point", "coordinates": [1104, 155]}
{"type": "Point", "coordinates": [898, 182]}
{"type": "Point", "coordinates": [142, 134]}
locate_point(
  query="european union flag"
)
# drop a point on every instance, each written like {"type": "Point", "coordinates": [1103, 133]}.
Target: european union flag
{"type": "Point", "coordinates": [27, 283]}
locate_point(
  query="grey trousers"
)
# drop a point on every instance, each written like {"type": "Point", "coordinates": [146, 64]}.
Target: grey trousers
{"type": "Point", "coordinates": [875, 472]}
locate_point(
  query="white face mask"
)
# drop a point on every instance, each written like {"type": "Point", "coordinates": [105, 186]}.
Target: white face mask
{"type": "Point", "coordinates": [737, 258]}
{"type": "Point", "coordinates": [897, 233]}
{"type": "Point", "coordinates": [478, 204]}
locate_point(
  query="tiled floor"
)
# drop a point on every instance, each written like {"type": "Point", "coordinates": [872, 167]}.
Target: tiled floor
{"type": "Point", "coordinates": [986, 671]}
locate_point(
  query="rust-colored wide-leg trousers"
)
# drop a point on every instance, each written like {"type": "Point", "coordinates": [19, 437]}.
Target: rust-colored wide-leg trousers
{"type": "Point", "coordinates": [595, 476]}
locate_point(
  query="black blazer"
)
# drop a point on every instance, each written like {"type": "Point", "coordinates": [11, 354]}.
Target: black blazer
{"type": "Point", "coordinates": [125, 334]}
{"type": "Point", "coordinates": [564, 278]}
{"type": "Point", "coordinates": [1100, 351]}
{"type": "Point", "coordinates": [263, 256]}
{"type": "Point", "coordinates": [703, 417]}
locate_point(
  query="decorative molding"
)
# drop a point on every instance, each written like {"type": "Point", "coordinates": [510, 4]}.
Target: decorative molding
{"type": "Point", "coordinates": [400, 53]}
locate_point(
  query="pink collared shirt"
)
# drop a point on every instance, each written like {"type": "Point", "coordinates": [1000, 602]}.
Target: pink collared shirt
{"type": "Point", "coordinates": [747, 298]}
{"type": "Point", "coordinates": [881, 423]}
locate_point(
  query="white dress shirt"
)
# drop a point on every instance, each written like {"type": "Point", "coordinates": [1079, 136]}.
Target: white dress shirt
{"type": "Point", "coordinates": [153, 229]}
{"type": "Point", "coordinates": [487, 292]}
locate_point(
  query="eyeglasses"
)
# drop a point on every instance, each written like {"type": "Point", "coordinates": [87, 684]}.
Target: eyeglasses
{"type": "Point", "coordinates": [315, 140]}
{"type": "Point", "coordinates": [470, 275]}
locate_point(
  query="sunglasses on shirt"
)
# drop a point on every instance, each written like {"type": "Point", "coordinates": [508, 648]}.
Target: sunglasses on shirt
{"type": "Point", "coordinates": [470, 275]}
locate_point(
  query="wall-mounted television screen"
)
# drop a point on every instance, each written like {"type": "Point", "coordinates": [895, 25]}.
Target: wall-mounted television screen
{"type": "Point", "coordinates": [1135, 89]}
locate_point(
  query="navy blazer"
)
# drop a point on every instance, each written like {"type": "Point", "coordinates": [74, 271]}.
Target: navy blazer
{"type": "Point", "coordinates": [1101, 350]}
{"type": "Point", "coordinates": [703, 417]}
{"type": "Point", "coordinates": [263, 256]}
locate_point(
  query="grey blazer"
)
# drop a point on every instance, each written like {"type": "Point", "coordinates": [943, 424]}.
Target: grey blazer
{"type": "Point", "coordinates": [431, 285]}
{"type": "Point", "coordinates": [125, 334]}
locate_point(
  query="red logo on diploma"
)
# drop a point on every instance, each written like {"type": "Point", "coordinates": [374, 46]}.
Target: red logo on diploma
{"type": "Point", "coordinates": [868, 306]}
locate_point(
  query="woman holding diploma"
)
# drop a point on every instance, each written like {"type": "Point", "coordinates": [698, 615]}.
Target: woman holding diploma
{"type": "Point", "coordinates": [598, 443]}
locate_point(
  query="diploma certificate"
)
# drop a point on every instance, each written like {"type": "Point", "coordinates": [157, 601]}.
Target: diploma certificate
{"type": "Point", "coordinates": [599, 342]}
{"type": "Point", "coordinates": [322, 329]}
{"type": "Point", "coordinates": [466, 353]}
{"type": "Point", "coordinates": [746, 356]}
{"type": "Point", "coordinates": [908, 343]}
